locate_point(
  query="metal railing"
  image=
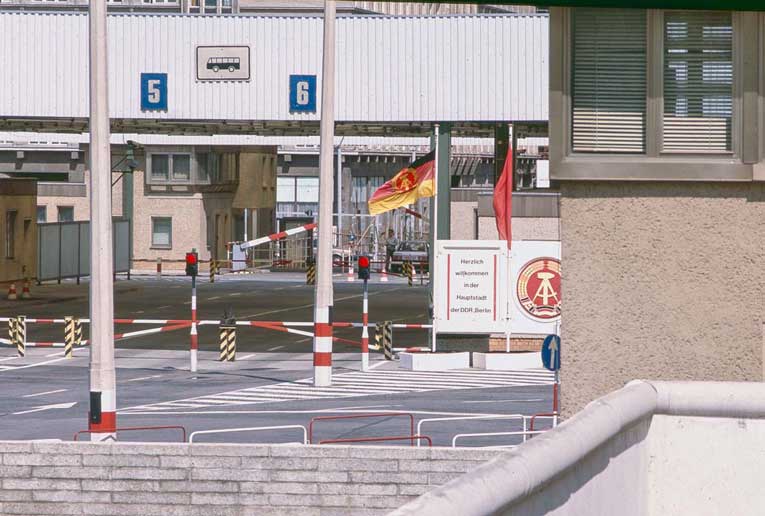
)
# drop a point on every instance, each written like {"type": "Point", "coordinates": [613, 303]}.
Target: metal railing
{"type": "Point", "coordinates": [252, 429]}
{"type": "Point", "coordinates": [136, 428]}
{"type": "Point", "coordinates": [412, 435]}
{"type": "Point", "coordinates": [380, 439]}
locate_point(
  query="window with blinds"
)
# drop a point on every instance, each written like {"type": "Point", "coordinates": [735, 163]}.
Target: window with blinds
{"type": "Point", "coordinates": [698, 81]}
{"type": "Point", "coordinates": [609, 80]}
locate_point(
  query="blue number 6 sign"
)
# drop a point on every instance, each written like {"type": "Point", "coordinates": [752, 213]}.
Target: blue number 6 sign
{"type": "Point", "coordinates": [153, 92]}
{"type": "Point", "coordinates": [303, 93]}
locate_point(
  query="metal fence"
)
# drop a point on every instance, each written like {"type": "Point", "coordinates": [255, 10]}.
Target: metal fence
{"type": "Point", "coordinates": [64, 249]}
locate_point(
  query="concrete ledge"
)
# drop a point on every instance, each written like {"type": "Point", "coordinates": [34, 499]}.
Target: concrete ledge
{"type": "Point", "coordinates": [507, 361]}
{"type": "Point", "coordinates": [434, 361]}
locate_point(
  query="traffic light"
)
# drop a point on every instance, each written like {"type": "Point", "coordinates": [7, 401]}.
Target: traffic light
{"type": "Point", "coordinates": [364, 267]}
{"type": "Point", "coordinates": [192, 264]}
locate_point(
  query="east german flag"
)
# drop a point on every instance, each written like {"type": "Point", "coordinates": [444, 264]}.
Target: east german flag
{"type": "Point", "coordinates": [406, 187]}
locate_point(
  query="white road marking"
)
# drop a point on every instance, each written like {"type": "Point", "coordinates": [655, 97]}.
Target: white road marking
{"type": "Point", "coordinates": [246, 356]}
{"type": "Point", "coordinates": [314, 411]}
{"type": "Point", "coordinates": [236, 294]}
{"type": "Point", "coordinates": [357, 383]}
{"type": "Point", "coordinates": [275, 348]}
{"type": "Point", "coordinates": [143, 378]}
{"type": "Point", "coordinates": [44, 393]}
{"type": "Point", "coordinates": [35, 365]}
{"type": "Point", "coordinates": [166, 306]}
{"type": "Point", "coordinates": [47, 407]}
{"type": "Point", "coordinates": [311, 304]}
{"type": "Point", "coordinates": [139, 312]}
{"type": "Point", "coordinates": [378, 364]}
{"type": "Point", "coordinates": [503, 401]}
{"type": "Point", "coordinates": [213, 298]}
{"type": "Point", "coordinates": [9, 358]}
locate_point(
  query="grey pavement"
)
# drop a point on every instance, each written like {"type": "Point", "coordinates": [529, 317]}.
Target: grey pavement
{"type": "Point", "coordinates": [155, 388]}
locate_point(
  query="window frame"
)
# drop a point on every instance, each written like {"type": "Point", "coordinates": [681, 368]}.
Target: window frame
{"type": "Point", "coordinates": [65, 207]}
{"type": "Point", "coordinates": [154, 219]}
{"type": "Point", "coordinates": [171, 153]}
{"type": "Point", "coordinates": [655, 165]}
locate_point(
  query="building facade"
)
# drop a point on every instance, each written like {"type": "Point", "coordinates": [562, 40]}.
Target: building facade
{"type": "Point", "coordinates": [18, 230]}
{"type": "Point", "coordinates": [657, 138]}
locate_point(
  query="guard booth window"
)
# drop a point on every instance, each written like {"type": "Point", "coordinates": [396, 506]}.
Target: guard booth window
{"type": "Point", "coordinates": [698, 81]}
{"type": "Point", "coordinates": [608, 80]}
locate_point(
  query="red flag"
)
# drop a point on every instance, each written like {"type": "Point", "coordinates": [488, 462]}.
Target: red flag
{"type": "Point", "coordinates": [503, 200]}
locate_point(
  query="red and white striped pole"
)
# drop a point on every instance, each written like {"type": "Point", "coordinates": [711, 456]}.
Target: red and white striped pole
{"type": "Point", "coordinates": [194, 337]}
{"type": "Point", "coordinates": [322, 341]}
{"type": "Point", "coordinates": [102, 417]}
{"type": "Point", "coordinates": [365, 331]}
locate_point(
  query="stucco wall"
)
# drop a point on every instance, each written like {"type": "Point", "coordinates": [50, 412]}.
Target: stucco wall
{"type": "Point", "coordinates": [662, 281]}
{"type": "Point", "coordinates": [81, 204]}
{"type": "Point", "coordinates": [524, 228]}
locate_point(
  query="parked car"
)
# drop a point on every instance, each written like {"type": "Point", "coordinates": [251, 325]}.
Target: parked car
{"type": "Point", "coordinates": [416, 251]}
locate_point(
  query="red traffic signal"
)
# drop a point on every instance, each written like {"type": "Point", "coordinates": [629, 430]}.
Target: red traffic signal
{"type": "Point", "coordinates": [364, 267]}
{"type": "Point", "coordinates": [192, 264]}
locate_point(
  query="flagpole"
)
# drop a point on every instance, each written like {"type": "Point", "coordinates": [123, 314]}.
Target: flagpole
{"type": "Point", "coordinates": [509, 184]}
{"type": "Point", "coordinates": [434, 229]}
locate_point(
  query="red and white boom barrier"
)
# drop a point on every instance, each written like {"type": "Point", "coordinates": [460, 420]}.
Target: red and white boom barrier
{"type": "Point", "coordinates": [277, 236]}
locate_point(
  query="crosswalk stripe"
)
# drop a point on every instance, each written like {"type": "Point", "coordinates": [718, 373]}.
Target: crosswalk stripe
{"type": "Point", "coordinates": [356, 383]}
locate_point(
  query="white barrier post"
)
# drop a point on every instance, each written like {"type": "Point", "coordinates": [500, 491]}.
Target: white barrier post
{"type": "Point", "coordinates": [365, 330]}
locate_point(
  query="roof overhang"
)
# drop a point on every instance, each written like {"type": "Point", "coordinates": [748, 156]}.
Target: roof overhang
{"type": "Point", "coordinates": [482, 129]}
{"type": "Point", "coordinates": [690, 5]}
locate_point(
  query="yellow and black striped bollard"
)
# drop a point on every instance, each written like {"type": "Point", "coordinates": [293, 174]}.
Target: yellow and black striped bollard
{"type": "Point", "coordinates": [12, 331]}
{"type": "Point", "coordinates": [21, 334]}
{"type": "Point", "coordinates": [227, 343]}
{"type": "Point", "coordinates": [68, 336]}
{"type": "Point", "coordinates": [409, 273]}
{"type": "Point", "coordinates": [388, 340]}
{"type": "Point", "coordinates": [310, 275]}
{"type": "Point", "coordinates": [213, 270]}
{"type": "Point", "coordinates": [77, 332]}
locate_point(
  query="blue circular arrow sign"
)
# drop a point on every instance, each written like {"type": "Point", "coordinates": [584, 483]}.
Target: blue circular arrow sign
{"type": "Point", "coordinates": [551, 352]}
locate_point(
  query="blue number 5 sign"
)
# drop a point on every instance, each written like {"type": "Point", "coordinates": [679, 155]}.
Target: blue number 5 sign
{"type": "Point", "coordinates": [153, 92]}
{"type": "Point", "coordinates": [303, 93]}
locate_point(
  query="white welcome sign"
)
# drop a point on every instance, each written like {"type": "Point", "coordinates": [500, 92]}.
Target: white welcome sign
{"type": "Point", "coordinates": [470, 287]}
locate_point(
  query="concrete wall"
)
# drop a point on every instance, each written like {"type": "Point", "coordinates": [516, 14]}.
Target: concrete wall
{"type": "Point", "coordinates": [18, 195]}
{"type": "Point", "coordinates": [166, 479]}
{"type": "Point", "coordinates": [661, 281]}
{"type": "Point", "coordinates": [649, 449]}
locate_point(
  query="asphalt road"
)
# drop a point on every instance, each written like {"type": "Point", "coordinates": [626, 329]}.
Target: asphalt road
{"type": "Point", "coordinates": [45, 395]}
{"type": "Point", "coordinates": [263, 297]}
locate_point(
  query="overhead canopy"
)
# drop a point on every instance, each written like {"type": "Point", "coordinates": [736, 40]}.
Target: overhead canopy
{"type": "Point", "coordinates": [725, 5]}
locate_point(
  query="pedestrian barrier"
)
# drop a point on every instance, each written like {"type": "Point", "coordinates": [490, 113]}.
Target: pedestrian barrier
{"type": "Point", "coordinates": [544, 415]}
{"type": "Point", "coordinates": [363, 416]}
{"type": "Point", "coordinates": [252, 429]}
{"type": "Point", "coordinates": [519, 417]}
{"type": "Point", "coordinates": [136, 429]}
{"type": "Point", "coordinates": [380, 439]}
{"type": "Point", "coordinates": [227, 343]}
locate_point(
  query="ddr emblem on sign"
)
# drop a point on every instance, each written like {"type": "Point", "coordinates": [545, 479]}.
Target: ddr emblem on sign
{"type": "Point", "coordinates": [539, 288]}
{"type": "Point", "coordinates": [551, 352]}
